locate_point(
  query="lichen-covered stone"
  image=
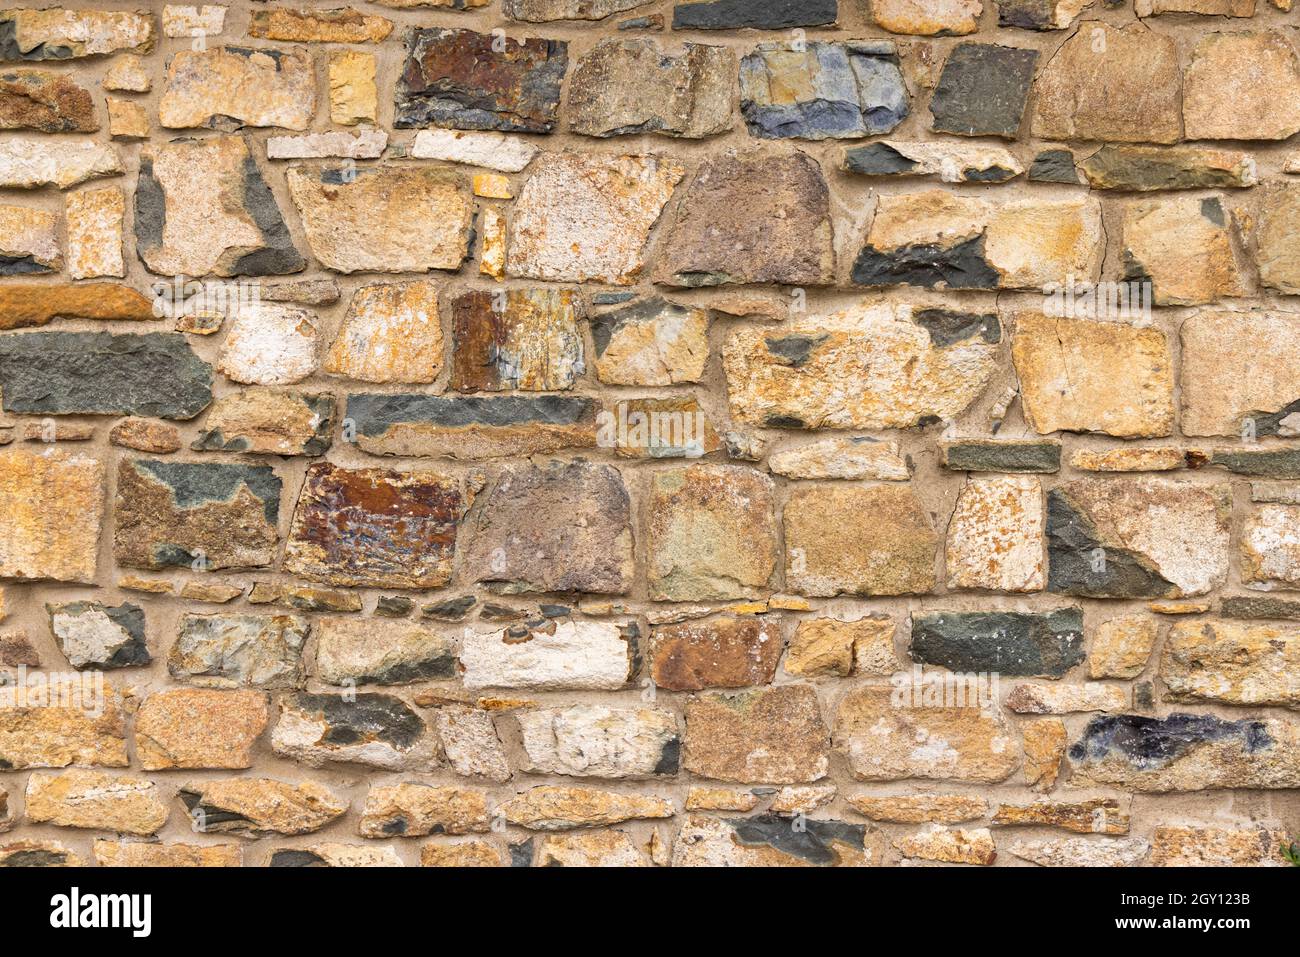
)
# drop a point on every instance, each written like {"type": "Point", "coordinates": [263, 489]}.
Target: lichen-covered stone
{"type": "Point", "coordinates": [229, 87]}
{"type": "Point", "coordinates": [391, 333]}
{"type": "Point", "coordinates": [1143, 539]}
{"type": "Point", "coordinates": [765, 736]}
{"type": "Point", "coordinates": [1242, 86]}
{"type": "Point", "coordinates": [377, 730]}
{"type": "Point", "coordinates": [524, 339]}
{"type": "Point", "coordinates": [41, 490]}
{"type": "Point", "coordinates": [883, 741]}
{"type": "Point", "coordinates": [552, 656]}
{"type": "Point", "coordinates": [462, 854]}
{"type": "Point", "coordinates": [375, 527]}
{"type": "Point", "coordinates": [350, 217]}
{"type": "Point", "coordinates": [1230, 662]}
{"type": "Point", "coordinates": [45, 101]}
{"type": "Point", "coordinates": [624, 87]}
{"type": "Point", "coordinates": [1122, 647]}
{"type": "Point", "coordinates": [127, 120]}
{"type": "Point", "coordinates": [1183, 247]}
{"type": "Point", "coordinates": [233, 651]}
{"type": "Point", "coordinates": [202, 207]}
{"type": "Point", "coordinates": [95, 219]}
{"type": "Point", "coordinates": [365, 651]}
{"type": "Point", "coordinates": [752, 218]}
{"type": "Point", "coordinates": [589, 849]}
{"type": "Point", "coordinates": [466, 80]}
{"type": "Point", "coordinates": [1009, 643]}
{"type": "Point", "coordinates": [995, 536]}
{"type": "Point", "coordinates": [587, 217]}
{"type": "Point", "coordinates": [97, 636]}
{"type": "Point", "coordinates": [83, 729]}
{"type": "Point", "coordinates": [817, 90]}
{"type": "Point", "coordinates": [590, 740]}
{"type": "Point", "coordinates": [710, 533]}
{"type": "Point", "coordinates": [1044, 741]}
{"type": "Point", "coordinates": [1159, 458]}
{"type": "Point", "coordinates": [858, 540]}
{"type": "Point", "coordinates": [199, 728]}
{"type": "Point", "coordinates": [59, 34]}
{"type": "Point", "coordinates": [554, 528]}
{"type": "Point", "coordinates": [1081, 375]}
{"type": "Point", "coordinates": [92, 799]}
{"type": "Point", "coordinates": [1173, 846]}
{"type": "Point", "coordinates": [1186, 752]}
{"type": "Point", "coordinates": [875, 366]}
{"type": "Point", "coordinates": [260, 807]}
{"type": "Point", "coordinates": [769, 841]}
{"type": "Point", "coordinates": [204, 516]}
{"type": "Point", "coordinates": [1111, 84]}
{"type": "Point", "coordinates": [731, 652]}
{"type": "Point", "coordinates": [269, 422]}
{"type": "Point", "coordinates": [982, 90]}
{"type": "Point", "coordinates": [413, 810]}
{"type": "Point", "coordinates": [336, 855]}
{"type": "Point", "coordinates": [1092, 816]}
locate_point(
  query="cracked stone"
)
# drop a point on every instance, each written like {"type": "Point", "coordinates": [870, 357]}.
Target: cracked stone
{"type": "Point", "coordinates": [995, 537]}
{"type": "Point", "coordinates": [982, 90]}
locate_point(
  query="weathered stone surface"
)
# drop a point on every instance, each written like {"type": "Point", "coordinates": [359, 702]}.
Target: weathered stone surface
{"type": "Point", "coordinates": [229, 87]}
{"type": "Point", "coordinates": [624, 87]}
{"type": "Point", "coordinates": [1216, 847]}
{"type": "Point", "coordinates": [710, 533]}
{"type": "Point", "coordinates": [270, 344]}
{"type": "Point", "coordinates": [554, 528]}
{"type": "Point", "coordinates": [550, 808]}
{"type": "Point", "coordinates": [1183, 247]}
{"type": "Point", "coordinates": [25, 304]}
{"type": "Point", "coordinates": [205, 516]}
{"type": "Point", "coordinates": [92, 799]}
{"type": "Point", "coordinates": [1093, 816]}
{"type": "Point", "coordinates": [469, 739]}
{"type": "Point", "coordinates": [1009, 643]}
{"type": "Point", "coordinates": [96, 636]}
{"type": "Point", "coordinates": [1039, 14]}
{"type": "Point", "coordinates": [960, 846]}
{"type": "Point", "coordinates": [949, 162]}
{"type": "Point", "coordinates": [136, 854]}
{"type": "Point", "coordinates": [876, 366]}
{"type": "Point", "coordinates": [1067, 699]}
{"type": "Point", "coordinates": [187, 21]}
{"type": "Point", "coordinates": [1231, 384]}
{"type": "Point", "coordinates": [553, 656]}
{"type": "Point", "coordinates": [304, 597]}
{"type": "Point", "coordinates": [29, 241]}
{"type": "Point", "coordinates": [1009, 455]}
{"type": "Point", "coordinates": [1208, 8]}
{"type": "Point", "coordinates": [471, 427]}
{"type": "Point", "coordinates": [366, 651]}
{"type": "Point", "coordinates": [259, 807]}
{"type": "Point", "coordinates": [232, 651]}
{"type": "Point", "coordinates": [921, 808]}
{"type": "Point", "coordinates": [1078, 375]}
{"type": "Point", "coordinates": [45, 101]}
{"type": "Point", "coordinates": [833, 648]}
{"type": "Point", "coordinates": [336, 855]}
{"type": "Point", "coordinates": [934, 238]}
{"type": "Point", "coordinates": [858, 540]}
{"type": "Point", "coordinates": [885, 742]}
{"type": "Point", "coordinates": [518, 339]}
{"type": "Point", "coordinates": [391, 333]}
{"type": "Point", "coordinates": [37, 854]}
{"type": "Point", "coordinates": [29, 163]}
{"type": "Point", "coordinates": [852, 458]}
{"type": "Point", "coordinates": [1252, 607]}
{"type": "Point", "coordinates": [769, 841]}
{"type": "Point", "coordinates": [995, 536]}
{"type": "Point", "coordinates": [17, 649]}
{"type": "Point", "coordinates": [268, 422]}
{"type": "Point", "coordinates": [1156, 539]}
{"type": "Point", "coordinates": [41, 489]}
{"type": "Point", "coordinates": [364, 144]}
{"type": "Point", "coordinates": [1270, 547]}
{"type": "Point", "coordinates": [731, 652]}
{"type": "Point", "coordinates": [58, 34]}
{"type": "Point", "coordinates": [1081, 852]}
{"type": "Point", "coordinates": [589, 740]}
{"type": "Point", "coordinates": [127, 120]}
{"type": "Point", "coordinates": [927, 19]}
{"type": "Point", "coordinates": [1166, 458]}
{"type": "Point", "coordinates": [587, 217]}
{"type": "Point", "coordinates": [89, 730]}
{"type": "Point", "coordinates": [1232, 663]}
{"type": "Point", "coordinates": [589, 849]}
{"type": "Point", "coordinates": [128, 73]}
{"type": "Point", "coordinates": [509, 154]}
{"type": "Point", "coordinates": [1242, 86]}
{"type": "Point", "coordinates": [658, 428]}
{"type": "Point", "coordinates": [1113, 85]}
{"type": "Point", "coordinates": [95, 219]}
{"type": "Point", "coordinates": [982, 90]}
{"type": "Point", "coordinates": [1186, 752]}
{"type": "Point", "coordinates": [701, 798]}
{"type": "Point", "coordinates": [1277, 463]}
{"type": "Point", "coordinates": [822, 91]}
{"type": "Point", "coordinates": [761, 15]}
{"type": "Point", "coordinates": [1121, 647]}
{"type": "Point", "coordinates": [343, 25]}
{"type": "Point", "coordinates": [216, 592]}
{"type": "Point", "coordinates": [1146, 168]}
{"type": "Point", "coordinates": [375, 527]}
{"type": "Point", "coordinates": [462, 854]}
{"type": "Point", "coordinates": [199, 728]}
{"type": "Point", "coordinates": [377, 730]}
{"type": "Point", "coordinates": [765, 736]}
{"type": "Point", "coordinates": [202, 207]}
{"type": "Point", "coordinates": [466, 80]}
{"type": "Point", "coordinates": [651, 343]}
{"type": "Point", "coordinates": [413, 810]}
{"type": "Point", "coordinates": [543, 11]}
{"type": "Point", "coordinates": [354, 96]}
{"type": "Point", "coordinates": [350, 216]}
{"type": "Point", "coordinates": [1275, 254]}
{"type": "Point", "coordinates": [752, 218]}
{"type": "Point", "coordinates": [1044, 741]}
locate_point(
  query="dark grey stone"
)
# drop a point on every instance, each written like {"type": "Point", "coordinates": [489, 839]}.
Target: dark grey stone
{"type": "Point", "coordinates": [1253, 608]}
{"type": "Point", "coordinates": [756, 14]}
{"type": "Point", "coordinates": [1280, 463]}
{"type": "Point", "coordinates": [877, 159]}
{"type": "Point", "coordinates": [982, 90]}
{"type": "Point", "coordinates": [1054, 166]}
{"type": "Point", "coordinates": [356, 719]}
{"type": "Point", "coordinates": [961, 266]}
{"type": "Point", "coordinates": [155, 374]}
{"type": "Point", "coordinates": [1080, 563]}
{"type": "Point", "coordinates": [132, 652]}
{"type": "Point", "coordinates": [194, 484]}
{"type": "Point", "coordinates": [982, 456]}
{"type": "Point", "coordinates": [1152, 743]}
{"type": "Point", "coordinates": [394, 606]}
{"type": "Point", "coordinates": [373, 413]}
{"type": "Point", "coordinates": [1009, 643]}
{"type": "Point", "coordinates": [948, 327]}
{"type": "Point", "coordinates": [453, 609]}
{"type": "Point", "coordinates": [813, 843]}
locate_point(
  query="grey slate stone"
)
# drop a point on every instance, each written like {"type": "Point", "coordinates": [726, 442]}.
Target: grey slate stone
{"type": "Point", "coordinates": [757, 14]}
{"type": "Point", "coordinates": [1009, 643]}
{"type": "Point", "coordinates": [982, 90]}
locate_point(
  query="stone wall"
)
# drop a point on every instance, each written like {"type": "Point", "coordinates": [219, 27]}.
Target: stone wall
{"type": "Point", "coordinates": [598, 432]}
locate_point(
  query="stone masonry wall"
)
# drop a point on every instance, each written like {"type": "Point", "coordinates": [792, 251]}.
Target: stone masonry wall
{"type": "Point", "coordinates": [748, 432]}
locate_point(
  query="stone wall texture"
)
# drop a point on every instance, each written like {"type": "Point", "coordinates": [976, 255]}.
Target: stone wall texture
{"type": "Point", "coordinates": [602, 432]}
